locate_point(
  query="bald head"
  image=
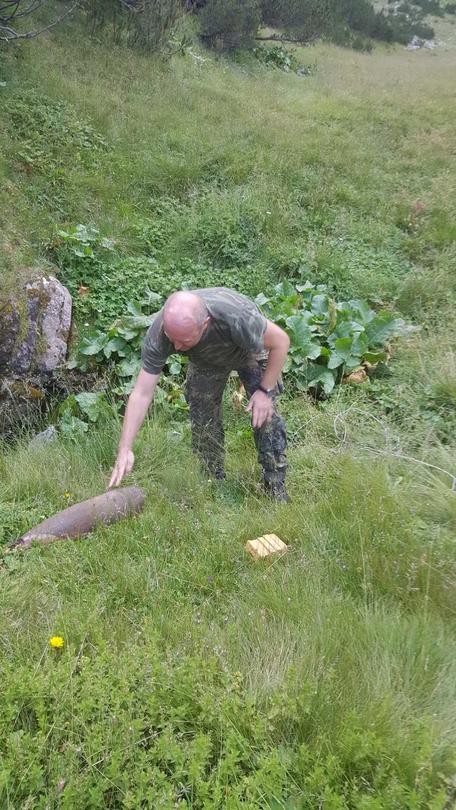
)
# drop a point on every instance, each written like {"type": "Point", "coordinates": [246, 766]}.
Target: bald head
{"type": "Point", "coordinates": [185, 319]}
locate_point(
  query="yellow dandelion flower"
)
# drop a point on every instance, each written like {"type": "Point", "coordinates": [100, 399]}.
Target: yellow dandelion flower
{"type": "Point", "coordinates": [57, 642]}
{"type": "Point", "coordinates": [67, 494]}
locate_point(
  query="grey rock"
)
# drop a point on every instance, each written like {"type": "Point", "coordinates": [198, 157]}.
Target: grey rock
{"type": "Point", "coordinates": [54, 323]}
{"type": "Point", "coordinates": [44, 438]}
{"type": "Point", "coordinates": [35, 337]}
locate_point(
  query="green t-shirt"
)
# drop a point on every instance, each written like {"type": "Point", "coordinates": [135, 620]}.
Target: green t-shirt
{"type": "Point", "coordinates": [234, 333]}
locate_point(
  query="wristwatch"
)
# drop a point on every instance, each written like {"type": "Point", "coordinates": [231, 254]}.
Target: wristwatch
{"type": "Point", "coordinates": [268, 391]}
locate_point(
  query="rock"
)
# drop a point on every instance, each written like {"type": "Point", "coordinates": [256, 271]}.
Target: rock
{"type": "Point", "coordinates": [414, 44]}
{"type": "Point", "coordinates": [35, 338]}
{"type": "Point", "coordinates": [44, 438]}
{"type": "Point", "coordinates": [53, 321]}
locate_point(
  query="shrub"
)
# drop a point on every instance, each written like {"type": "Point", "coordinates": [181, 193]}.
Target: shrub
{"type": "Point", "coordinates": [144, 25]}
{"type": "Point", "coordinates": [230, 24]}
{"type": "Point", "coordinates": [282, 58]}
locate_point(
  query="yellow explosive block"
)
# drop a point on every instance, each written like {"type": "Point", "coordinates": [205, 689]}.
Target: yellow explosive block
{"type": "Point", "coordinates": [265, 546]}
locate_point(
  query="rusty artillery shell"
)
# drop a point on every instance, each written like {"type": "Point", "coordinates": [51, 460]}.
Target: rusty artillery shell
{"type": "Point", "coordinates": [84, 517]}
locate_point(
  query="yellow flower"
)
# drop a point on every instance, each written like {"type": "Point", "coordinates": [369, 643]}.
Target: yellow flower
{"type": "Point", "coordinates": [67, 494]}
{"type": "Point", "coordinates": [56, 642]}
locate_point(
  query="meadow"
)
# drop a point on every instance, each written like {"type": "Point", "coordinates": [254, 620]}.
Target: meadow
{"type": "Point", "coordinates": [190, 676]}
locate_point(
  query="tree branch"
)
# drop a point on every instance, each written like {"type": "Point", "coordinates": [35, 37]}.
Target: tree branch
{"type": "Point", "coordinates": [8, 34]}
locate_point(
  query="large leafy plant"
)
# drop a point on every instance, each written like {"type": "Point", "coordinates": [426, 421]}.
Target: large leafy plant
{"type": "Point", "coordinates": [329, 339]}
{"type": "Point", "coordinates": [119, 349]}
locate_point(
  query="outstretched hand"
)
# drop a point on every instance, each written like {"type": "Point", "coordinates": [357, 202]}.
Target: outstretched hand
{"type": "Point", "coordinates": [124, 464]}
{"type": "Point", "coordinates": [261, 407]}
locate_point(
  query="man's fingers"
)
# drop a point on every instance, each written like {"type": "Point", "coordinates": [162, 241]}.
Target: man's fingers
{"type": "Point", "coordinates": [116, 477]}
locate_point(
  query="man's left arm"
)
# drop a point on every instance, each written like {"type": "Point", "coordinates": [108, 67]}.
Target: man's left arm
{"type": "Point", "coordinates": [261, 405]}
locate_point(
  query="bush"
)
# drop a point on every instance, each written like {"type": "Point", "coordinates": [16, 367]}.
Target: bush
{"type": "Point", "coordinates": [230, 24]}
{"type": "Point", "coordinates": [304, 18]}
{"type": "Point", "coordinates": [145, 25]}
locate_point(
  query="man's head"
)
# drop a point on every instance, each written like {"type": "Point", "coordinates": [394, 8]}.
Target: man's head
{"type": "Point", "coordinates": [185, 319]}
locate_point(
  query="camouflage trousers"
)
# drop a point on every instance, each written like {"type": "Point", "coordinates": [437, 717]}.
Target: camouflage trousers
{"type": "Point", "coordinates": [204, 394]}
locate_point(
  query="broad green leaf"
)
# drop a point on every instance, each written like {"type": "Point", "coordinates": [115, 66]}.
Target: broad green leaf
{"type": "Point", "coordinates": [151, 297]}
{"type": "Point", "coordinates": [134, 308]}
{"type": "Point", "coordinates": [261, 300]}
{"type": "Point", "coordinates": [343, 329]}
{"type": "Point", "coordinates": [384, 326]}
{"type": "Point", "coordinates": [129, 368]}
{"type": "Point", "coordinates": [68, 406]}
{"type": "Point", "coordinates": [352, 362]}
{"type": "Point", "coordinates": [360, 344]}
{"type": "Point", "coordinates": [93, 344]}
{"type": "Point", "coordinates": [323, 377]}
{"type": "Point", "coordinates": [71, 426]}
{"type": "Point", "coordinates": [175, 368]}
{"type": "Point", "coordinates": [137, 321]}
{"type": "Point", "coordinates": [126, 333]}
{"type": "Point", "coordinates": [302, 337]}
{"type": "Point", "coordinates": [346, 352]}
{"type": "Point", "coordinates": [116, 344]}
{"type": "Point", "coordinates": [320, 305]}
{"type": "Point", "coordinates": [375, 357]}
{"type": "Point", "coordinates": [285, 289]}
{"type": "Point", "coordinates": [90, 403]}
{"type": "Point", "coordinates": [361, 310]}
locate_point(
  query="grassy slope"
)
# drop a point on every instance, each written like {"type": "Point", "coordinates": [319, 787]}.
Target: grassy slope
{"type": "Point", "coordinates": [342, 655]}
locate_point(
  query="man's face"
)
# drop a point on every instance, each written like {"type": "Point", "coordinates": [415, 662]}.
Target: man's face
{"type": "Point", "coordinates": [185, 337]}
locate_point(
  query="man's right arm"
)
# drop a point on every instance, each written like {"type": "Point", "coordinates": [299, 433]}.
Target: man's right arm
{"type": "Point", "coordinates": [137, 407]}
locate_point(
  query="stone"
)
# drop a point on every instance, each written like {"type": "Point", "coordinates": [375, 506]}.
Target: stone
{"type": "Point", "coordinates": [35, 337]}
{"type": "Point", "coordinates": [44, 438]}
{"type": "Point", "coordinates": [54, 322]}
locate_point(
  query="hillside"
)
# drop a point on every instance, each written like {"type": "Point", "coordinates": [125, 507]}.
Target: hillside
{"type": "Point", "coordinates": [191, 676]}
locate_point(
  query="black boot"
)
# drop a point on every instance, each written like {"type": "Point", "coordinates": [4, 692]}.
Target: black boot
{"type": "Point", "coordinates": [276, 490]}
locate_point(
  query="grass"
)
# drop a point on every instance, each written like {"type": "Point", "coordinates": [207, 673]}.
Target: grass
{"type": "Point", "coordinates": [191, 676]}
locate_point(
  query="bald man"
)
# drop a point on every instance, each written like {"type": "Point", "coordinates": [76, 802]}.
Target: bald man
{"type": "Point", "coordinates": [219, 330]}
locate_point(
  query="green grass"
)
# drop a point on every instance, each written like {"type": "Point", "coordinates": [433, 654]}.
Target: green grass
{"type": "Point", "coordinates": [191, 676]}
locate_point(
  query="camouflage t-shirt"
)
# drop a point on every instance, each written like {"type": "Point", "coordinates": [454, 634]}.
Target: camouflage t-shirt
{"type": "Point", "coordinates": [234, 333]}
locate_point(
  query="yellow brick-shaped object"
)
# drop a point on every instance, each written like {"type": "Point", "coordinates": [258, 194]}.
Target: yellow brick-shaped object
{"type": "Point", "coordinates": [265, 545]}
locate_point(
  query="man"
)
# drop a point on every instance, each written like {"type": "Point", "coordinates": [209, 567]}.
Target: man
{"type": "Point", "coordinates": [219, 330]}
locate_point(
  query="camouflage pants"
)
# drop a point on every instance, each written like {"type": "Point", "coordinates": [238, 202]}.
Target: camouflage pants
{"type": "Point", "coordinates": [204, 394]}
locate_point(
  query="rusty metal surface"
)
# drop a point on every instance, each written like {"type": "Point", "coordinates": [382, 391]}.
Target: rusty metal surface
{"type": "Point", "coordinates": [84, 517]}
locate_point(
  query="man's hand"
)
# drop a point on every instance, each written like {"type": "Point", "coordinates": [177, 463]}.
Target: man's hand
{"type": "Point", "coordinates": [124, 464]}
{"type": "Point", "coordinates": [261, 407]}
